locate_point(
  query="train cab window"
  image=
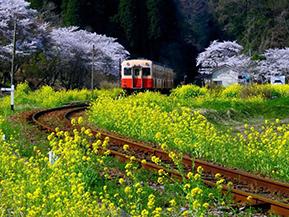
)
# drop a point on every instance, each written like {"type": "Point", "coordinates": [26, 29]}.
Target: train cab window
{"type": "Point", "coordinates": [127, 71]}
{"type": "Point", "coordinates": [136, 72]}
{"type": "Point", "coordinates": [146, 71]}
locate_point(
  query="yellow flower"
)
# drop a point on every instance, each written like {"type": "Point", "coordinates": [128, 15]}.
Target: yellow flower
{"type": "Point", "coordinates": [125, 147]}
{"type": "Point", "coordinates": [151, 201]}
{"type": "Point", "coordinates": [277, 120]}
{"type": "Point", "coordinates": [190, 174]}
{"type": "Point", "coordinates": [158, 135]}
{"type": "Point", "coordinates": [197, 176]}
{"type": "Point", "coordinates": [160, 172]}
{"type": "Point", "coordinates": [170, 209]}
{"type": "Point", "coordinates": [230, 184]}
{"type": "Point", "coordinates": [87, 132]}
{"type": "Point", "coordinates": [206, 205]}
{"type": "Point", "coordinates": [200, 169]}
{"type": "Point", "coordinates": [80, 120]}
{"type": "Point", "coordinates": [144, 213]}
{"type": "Point", "coordinates": [164, 146]}
{"type": "Point", "coordinates": [127, 190]}
{"type": "Point", "coordinates": [196, 204]}
{"type": "Point", "coordinates": [139, 190]}
{"type": "Point", "coordinates": [172, 202]}
{"type": "Point", "coordinates": [121, 180]}
{"type": "Point", "coordinates": [73, 122]}
{"type": "Point", "coordinates": [185, 213]}
{"type": "Point", "coordinates": [187, 186]}
{"type": "Point", "coordinates": [220, 181]}
{"type": "Point", "coordinates": [218, 175]}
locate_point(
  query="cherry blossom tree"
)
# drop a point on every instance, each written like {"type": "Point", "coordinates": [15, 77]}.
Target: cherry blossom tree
{"type": "Point", "coordinates": [58, 53]}
{"type": "Point", "coordinates": [32, 36]}
{"type": "Point", "coordinates": [217, 54]}
{"type": "Point", "coordinates": [74, 50]}
{"type": "Point", "coordinates": [240, 63]}
{"type": "Point", "coordinates": [276, 63]}
{"type": "Point", "coordinates": [69, 42]}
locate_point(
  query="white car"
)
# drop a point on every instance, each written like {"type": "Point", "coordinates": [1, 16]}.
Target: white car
{"type": "Point", "coordinates": [277, 82]}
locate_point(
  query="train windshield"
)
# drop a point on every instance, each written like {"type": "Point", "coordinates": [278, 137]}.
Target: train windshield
{"type": "Point", "coordinates": [136, 72]}
{"type": "Point", "coordinates": [146, 71]}
{"type": "Point", "coordinates": [127, 71]}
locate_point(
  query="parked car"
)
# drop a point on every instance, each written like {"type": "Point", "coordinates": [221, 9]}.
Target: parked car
{"type": "Point", "coordinates": [277, 82]}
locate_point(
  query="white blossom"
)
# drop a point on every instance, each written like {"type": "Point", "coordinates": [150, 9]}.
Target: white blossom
{"type": "Point", "coordinates": [71, 43]}
{"type": "Point", "coordinates": [30, 34]}
{"type": "Point", "coordinates": [217, 54]}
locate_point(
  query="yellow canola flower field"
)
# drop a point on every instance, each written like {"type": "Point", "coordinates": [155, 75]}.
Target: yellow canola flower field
{"type": "Point", "coordinates": [47, 97]}
{"type": "Point", "coordinates": [61, 184]}
{"type": "Point", "coordinates": [163, 120]}
{"type": "Point", "coordinates": [35, 187]}
{"type": "Point", "coordinates": [236, 91]}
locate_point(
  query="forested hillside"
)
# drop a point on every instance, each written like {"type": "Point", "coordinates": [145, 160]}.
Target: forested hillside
{"type": "Point", "coordinates": [173, 32]}
{"type": "Point", "coordinates": [256, 24]}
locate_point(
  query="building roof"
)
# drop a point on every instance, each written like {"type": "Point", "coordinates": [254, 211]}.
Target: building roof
{"type": "Point", "coordinates": [203, 76]}
{"type": "Point", "coordinates": [220, 67]}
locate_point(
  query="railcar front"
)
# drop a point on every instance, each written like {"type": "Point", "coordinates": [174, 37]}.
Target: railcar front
{"type": "Point", "coordinates": [136, 74]}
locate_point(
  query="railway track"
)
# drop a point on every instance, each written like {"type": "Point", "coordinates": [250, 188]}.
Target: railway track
{"type": "Point", "coordinates": [255, 183]}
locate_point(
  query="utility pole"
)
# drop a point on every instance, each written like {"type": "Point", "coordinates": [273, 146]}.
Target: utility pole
{"type": "Point", "coordinates": [92, 72]}
{"type": "Point", "coordinates": [13, 64]}
{"type": "Point", "coordinates": [12, 68]}
{"type": "Point", "coordinates": [119, 72]}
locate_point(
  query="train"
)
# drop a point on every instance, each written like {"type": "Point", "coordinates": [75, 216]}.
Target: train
{"type": "Point", "coordinates": [142, 74]}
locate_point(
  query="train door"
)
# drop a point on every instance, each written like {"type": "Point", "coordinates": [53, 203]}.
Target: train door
{"type": "Point", "coordinates": [137, 78]}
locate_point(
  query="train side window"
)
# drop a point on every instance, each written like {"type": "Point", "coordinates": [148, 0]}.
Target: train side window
{"type": "Point", "coordinates": [136, 72]}
{"type": "Point", "coordinates": [146, 71]}
{"type": "Point", "coordinates": [127, 71]}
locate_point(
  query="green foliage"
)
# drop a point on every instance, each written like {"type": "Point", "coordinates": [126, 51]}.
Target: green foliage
{"type": "Point", "coordinates": [36, 4]}
{"type": "Point", "coordinates": [255, 90]}
{"type": "Point", "coordinates": [258, 57]}
{"type": "Point", "coordinates": [71, 13]}
{"type": "Point", "coordinates": [154, 17]}
{"type": "Point", "coordinates": [258, 25]}
{"type": "Point", "coordinates": [127, 18]}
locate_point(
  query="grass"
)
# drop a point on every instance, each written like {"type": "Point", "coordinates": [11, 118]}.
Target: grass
{"type": "Point", "coordinates": [225, 115]}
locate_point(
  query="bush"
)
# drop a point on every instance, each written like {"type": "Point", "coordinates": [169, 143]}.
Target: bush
{"type": "Point", "coordinates": [189, 91]}
{"type": "Point", "coordinates": [255, 90]}
{"type": "Point", "coordinates": [232, 91]}
{"type": "Point", "coordinates": [280, 90]}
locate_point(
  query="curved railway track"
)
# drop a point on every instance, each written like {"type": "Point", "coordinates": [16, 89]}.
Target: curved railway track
{"type": "Point", "coordinates": [266, 186]}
